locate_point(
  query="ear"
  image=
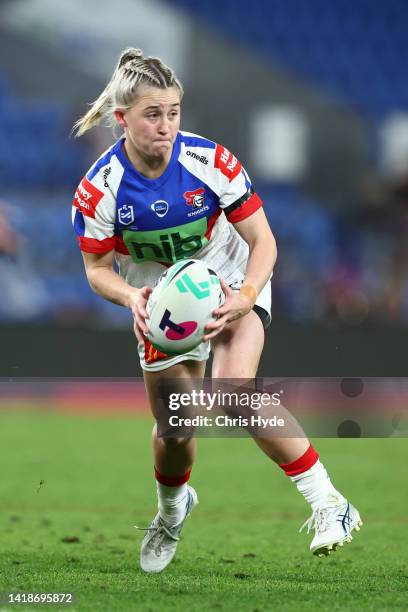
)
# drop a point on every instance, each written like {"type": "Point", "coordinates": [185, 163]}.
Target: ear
{"type": "Point", "coordinates": [120, 118]}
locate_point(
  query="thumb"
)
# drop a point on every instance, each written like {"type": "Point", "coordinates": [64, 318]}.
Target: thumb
{"type": "Point", "coordinates": [226, 289]}
{"type": "Point", "coordinates": [146, 291]}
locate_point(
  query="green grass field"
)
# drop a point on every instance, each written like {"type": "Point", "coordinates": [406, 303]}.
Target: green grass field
{"type": "Point", "coordinates": [240, 549]}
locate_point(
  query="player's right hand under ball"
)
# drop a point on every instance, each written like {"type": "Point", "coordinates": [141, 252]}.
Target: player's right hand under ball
{"type": "Point", "coordinates": [137, 304]}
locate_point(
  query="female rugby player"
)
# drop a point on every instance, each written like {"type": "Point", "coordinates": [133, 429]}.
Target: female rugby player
{"type": "Point", "coordinates": [159, 195]}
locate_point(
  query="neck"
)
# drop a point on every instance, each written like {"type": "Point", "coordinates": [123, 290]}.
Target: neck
{"type": "Point", "coordinates": [150, 167]}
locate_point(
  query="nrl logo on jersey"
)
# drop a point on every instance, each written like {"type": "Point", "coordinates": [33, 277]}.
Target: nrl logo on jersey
{"type": "Point", "coordinates": [196, 199]}
{"type": "Point", "coordinates": [126, 214]}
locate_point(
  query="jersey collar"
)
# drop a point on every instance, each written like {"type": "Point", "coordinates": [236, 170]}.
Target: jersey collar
{"type": "Point", "coordinates": [150, 183]}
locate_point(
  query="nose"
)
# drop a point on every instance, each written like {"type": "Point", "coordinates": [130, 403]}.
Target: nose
{"type": "Point", "coordinates": [164, 126]}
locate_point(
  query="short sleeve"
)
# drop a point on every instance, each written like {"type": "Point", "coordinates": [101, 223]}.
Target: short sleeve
{"type": "Point", "coordinates": [93, 216]}
{"type": "Point", "coordinates": [237, 197]}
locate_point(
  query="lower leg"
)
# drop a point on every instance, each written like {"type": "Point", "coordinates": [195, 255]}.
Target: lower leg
{"type": "Point", "coordinates": [294, 455]}
{"type": "Point", "coordinates": [301, 463]}
{"type": "Point", "coordinates": [173, 456]}
{"type": "Point", "coordinates": [307, 472]}
{"type": "Point", "coordinates": [173, 460]}
{"type": "Point", "coordinates": [283, 450]}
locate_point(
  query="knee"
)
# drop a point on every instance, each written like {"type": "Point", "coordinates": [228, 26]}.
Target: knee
{"type": "Point", "coordinates": [177, 443]}
{"type": "Point", "coordinates": [243, 371]}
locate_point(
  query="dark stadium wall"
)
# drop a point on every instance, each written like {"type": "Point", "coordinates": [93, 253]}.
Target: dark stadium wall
{"type": "Point", "coordinates": [290, 350]}
{"type": "Point", "coordinates": [36, 73]}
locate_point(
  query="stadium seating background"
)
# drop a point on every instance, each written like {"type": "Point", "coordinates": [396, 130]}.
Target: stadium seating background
{"type": "Point", "coordinates": [342, 266]}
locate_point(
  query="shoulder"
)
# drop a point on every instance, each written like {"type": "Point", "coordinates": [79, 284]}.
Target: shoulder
{"type": "Point", "coordinates": [193, 141]}
{"type": "Point", "coordinates": [108, 169]}
{"type": "Point", "coordinates": [102, 180]}
{"type": "Point", "coordinates": [218, 167]}
{"type": "Point", "coordinates": [99, 186]}
{"type": "Point", "coordinates": [196, 151]}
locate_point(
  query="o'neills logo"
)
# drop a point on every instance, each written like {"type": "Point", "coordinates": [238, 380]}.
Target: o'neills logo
{"type": "Point", "coordinates": [200, 158]}
{"type": "Point", "coordinates": [106, 173]}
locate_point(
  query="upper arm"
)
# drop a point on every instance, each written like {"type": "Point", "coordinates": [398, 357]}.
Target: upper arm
{"type": "Point", "coordinates": [255, 228]}
{"type": "Point", "coordinates": [240, 203]}
{"type": "Point", "coordinates": [93, 216]}
{"type": "Point", "coordinates": [93, 261]}
{"type": "Point", "coordinates": [237, 197]}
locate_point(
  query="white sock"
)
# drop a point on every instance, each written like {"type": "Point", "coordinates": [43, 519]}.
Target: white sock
{"type": "Point", "coordinates": [172, 503]}
{"type": "Point", "coordinates": [316, 487]}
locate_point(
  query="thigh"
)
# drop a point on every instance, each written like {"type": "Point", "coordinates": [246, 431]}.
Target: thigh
{"type": "Point", "coordinates": [238, 348]}
{"type": "Point", "coordinates": [184, 376]}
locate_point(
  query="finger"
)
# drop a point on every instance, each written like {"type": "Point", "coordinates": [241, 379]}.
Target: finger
{"type": "Point", "coordinates": [140, 322]}
{"type": "Point", "coordinates": [137, 333]}
{"type": "Point", "coordinates": [141, 335]}
{"type": "Point", "coordinates": [214, 325]}
{"type": "Point", "coordinates": [140, 312]}
{"type": "Point", "coordinates": [219, 312]}
{"type": "Point", "coordinates": [146, 291]}
{"type": "Point", "coordinates": [213, 333]}
{"type": "Point", "coordinates": [211, 326]}
{"type": "Point", "coordinates": [143, 312]}
{"type": "Point", "coordinates": [225, 287]}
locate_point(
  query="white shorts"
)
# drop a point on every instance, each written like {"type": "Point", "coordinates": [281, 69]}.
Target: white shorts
{"type": "Point", "coordinates": [152, 360]}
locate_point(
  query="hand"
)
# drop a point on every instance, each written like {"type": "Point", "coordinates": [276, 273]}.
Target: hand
{"type": "Point", "coordinates": [235, 306]}
{"type": "Point", "coordinates": [137, 305]}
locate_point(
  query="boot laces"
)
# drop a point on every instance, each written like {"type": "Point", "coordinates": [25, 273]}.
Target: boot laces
{"type": "Point", "coordinates": [158, 535]}
{"type": "Point", "coordinates": [320, 519]}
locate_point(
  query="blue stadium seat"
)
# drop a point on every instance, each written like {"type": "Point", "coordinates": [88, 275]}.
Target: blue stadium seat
{"type": "Point", "coordinates": [350, 49]}
{"type": "Point", "coordinates": [34, 147]}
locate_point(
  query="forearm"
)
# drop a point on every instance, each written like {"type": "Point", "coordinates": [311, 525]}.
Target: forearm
{"type": "Point", "coordinates": [262, 257]}
{"type": "Point", "coordinates": [261, 261]}
{"type": "Point", "coordinates": [108, 284]}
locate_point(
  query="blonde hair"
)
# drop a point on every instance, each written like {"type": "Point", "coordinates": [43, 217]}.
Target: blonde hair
{"type": "Point", "coordinates": [120, 93]}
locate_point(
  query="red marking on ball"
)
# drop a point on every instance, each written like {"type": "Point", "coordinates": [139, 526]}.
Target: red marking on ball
{"type": "Point", "coordinates": [189, 328]}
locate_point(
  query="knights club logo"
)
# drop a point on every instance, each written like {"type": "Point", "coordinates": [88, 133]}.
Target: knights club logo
{"type": "Point", "coordinates": [196, 198]}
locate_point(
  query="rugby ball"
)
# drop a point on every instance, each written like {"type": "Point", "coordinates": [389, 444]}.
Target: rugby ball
{"type": "Point", "coordinates": [181, 305]}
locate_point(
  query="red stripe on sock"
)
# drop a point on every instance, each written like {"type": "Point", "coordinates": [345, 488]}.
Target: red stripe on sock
{"type": "Point", "coordinates": [171, 481]}
{"type": "Point", "coordinates": [304, 463]}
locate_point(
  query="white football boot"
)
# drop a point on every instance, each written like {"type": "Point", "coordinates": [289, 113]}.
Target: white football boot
{"type": "Point", "coordinates": [160, 542]}
{"type": "Point", "coordinates": [333, 524]}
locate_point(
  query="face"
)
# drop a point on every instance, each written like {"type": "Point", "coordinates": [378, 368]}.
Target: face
{"type": "Point", "coordinates": [153, 121]}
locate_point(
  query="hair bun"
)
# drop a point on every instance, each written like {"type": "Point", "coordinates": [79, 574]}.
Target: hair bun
{"type": "Point", "coordinates": [128, 55]}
